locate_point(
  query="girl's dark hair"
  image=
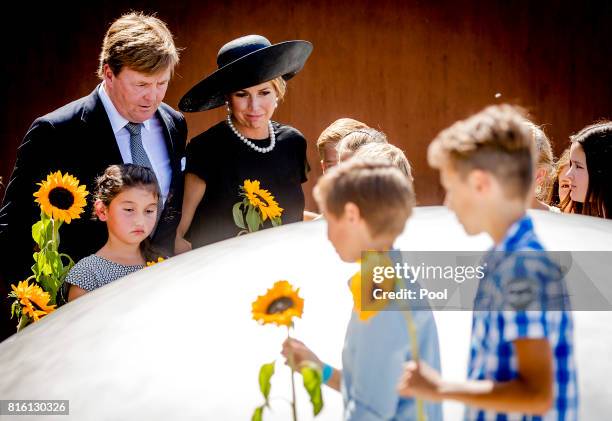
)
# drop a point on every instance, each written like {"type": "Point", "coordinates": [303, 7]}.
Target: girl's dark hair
{"type": "Point", "coordinates": [115, 180]}
{"type": "Point", "coordinates": [596, 141]}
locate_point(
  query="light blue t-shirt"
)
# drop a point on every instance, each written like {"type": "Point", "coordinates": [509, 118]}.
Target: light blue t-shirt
{"type": "Point", "coordinates": [372, 363]}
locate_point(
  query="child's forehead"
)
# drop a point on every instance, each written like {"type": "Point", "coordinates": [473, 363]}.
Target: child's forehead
{"type": "Point", "coordinates": [136, 194]}
{"type": "Point", "coordinates": [576, 151]}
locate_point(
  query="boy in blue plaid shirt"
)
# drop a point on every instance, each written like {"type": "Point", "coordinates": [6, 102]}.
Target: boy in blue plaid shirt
{"type": "Point", "coordinates": [521, 363]}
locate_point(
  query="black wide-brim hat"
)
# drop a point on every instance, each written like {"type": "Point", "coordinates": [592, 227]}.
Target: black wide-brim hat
{"type": "Point", "coordinates": [246, 62]}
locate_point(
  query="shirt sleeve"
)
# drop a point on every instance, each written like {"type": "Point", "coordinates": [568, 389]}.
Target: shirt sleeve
{"type": "Point", "coordinates": [82, 276]}
{"type": "Point", "coordinates": [527, 285]}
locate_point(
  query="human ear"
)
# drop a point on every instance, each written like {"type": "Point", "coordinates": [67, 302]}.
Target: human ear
{"type": "Point", "coordinates": [479, 181]}
{"type": "Point", "coordinates": [108, 74]}
{"type": "Point", "coordinates": [539, 175]}
{"type": "Point", "coordinates": [351, 212]}
{"type": "Point", "coordinates": [101, 210]}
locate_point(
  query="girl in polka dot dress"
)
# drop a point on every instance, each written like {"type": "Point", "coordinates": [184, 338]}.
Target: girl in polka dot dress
{"type": "Point", "coordinates": [126, 199]}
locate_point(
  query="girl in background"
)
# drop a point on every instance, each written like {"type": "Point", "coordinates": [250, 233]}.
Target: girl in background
{"type": "Point", "coordinates": [125, 199]}
{"type": "Point", "coordinates": [560, 185]}
{"type": "Point", "coordinates": [590, 172]}
{"type": "Point", "coordinates": [543, 169]}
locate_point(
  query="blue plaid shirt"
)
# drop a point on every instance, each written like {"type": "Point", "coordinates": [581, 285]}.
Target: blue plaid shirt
{"type": "Point", "coordinates": [500, 317]}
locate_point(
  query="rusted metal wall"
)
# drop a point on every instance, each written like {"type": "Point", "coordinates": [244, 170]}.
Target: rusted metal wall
{"type": "Point", "coordinates": [409, 68]}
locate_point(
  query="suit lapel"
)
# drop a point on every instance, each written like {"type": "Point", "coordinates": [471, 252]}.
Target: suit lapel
{"type": "Point", "coordinates": [169, 133]}
{"type": "Point", "coordinates": [169, 130]}
{"type": "Point", "coordinates": [101, 135]}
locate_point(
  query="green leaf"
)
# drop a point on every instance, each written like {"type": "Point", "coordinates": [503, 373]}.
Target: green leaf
{"type": "Point", "coordinates": [55, 261]}
{"type": "Point", "coordinates": [65, 266]}
{"type": "Point", "coordinates": [258, 414]}
{"type": "Point", "coordinates": [15, 309]}
{"type": "Point", "coordinates": [35, 266]}
{"type": "Point", "coordinates": [42, 231]}
{"type": "Point", "coordinates": [50, 284]}
{"type": "Point", "coordinates": [253, 219]}
{"type": "Point", "coordinates": [38, 233]}
{"type": "Point", "coordinates": [276, 221]}
{"type": "Point", "coordinates": [312, 382]}
{"type": "Point", "coordinates": [44, 264]}
{"type": "Point", "coordinates": [265, 374]}
{"type": "Point", "coordinates": [238, 218]}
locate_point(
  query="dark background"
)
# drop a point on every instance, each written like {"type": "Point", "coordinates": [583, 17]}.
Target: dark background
{"type": "Point", "coordinates": [409, 68]}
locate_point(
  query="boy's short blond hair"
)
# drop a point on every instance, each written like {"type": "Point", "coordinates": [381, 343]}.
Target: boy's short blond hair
{"type": "Point", "coordinates": [386, 152]}
{"type": "Point", "coordinates": [140, 42]}
{"type": "Point", "coordinates": [350, 143]}
{"type": "Point", "coordinates": [383, 194]}
{"type": "Point", "coordinates": [336, 131]}
{"type": "Point", "coordinates": [495, 140]}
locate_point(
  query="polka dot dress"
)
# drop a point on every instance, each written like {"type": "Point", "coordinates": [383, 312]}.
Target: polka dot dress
{"type": "Point", "coordinates": [94, 272]}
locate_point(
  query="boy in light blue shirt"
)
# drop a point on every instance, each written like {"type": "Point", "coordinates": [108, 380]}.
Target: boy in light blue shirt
{"type": "Point", "coordinates": [366, 205]}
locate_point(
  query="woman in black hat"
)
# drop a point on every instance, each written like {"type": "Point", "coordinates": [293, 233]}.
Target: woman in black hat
{"type": "Point", "coordinates": [250, 82]}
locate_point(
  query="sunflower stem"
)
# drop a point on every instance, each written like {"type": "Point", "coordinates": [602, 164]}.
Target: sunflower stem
{"type": "Point", "coordinates": [293, 403]}
{"type": "Point", "coordinates": [23, 322]}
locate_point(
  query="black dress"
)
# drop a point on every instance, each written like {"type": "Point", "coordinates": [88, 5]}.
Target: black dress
{"type": "Point", "coordinates": [224, 161]}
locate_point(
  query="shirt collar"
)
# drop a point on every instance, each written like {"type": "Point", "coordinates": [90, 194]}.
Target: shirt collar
{"type": "Point", "coordinates": [517, 231]}
{"type": "Point", "coordinates": [117, 121]}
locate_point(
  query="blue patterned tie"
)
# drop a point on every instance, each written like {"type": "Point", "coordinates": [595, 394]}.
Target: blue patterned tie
{"type": "Point", "coordinates": [140, 157]}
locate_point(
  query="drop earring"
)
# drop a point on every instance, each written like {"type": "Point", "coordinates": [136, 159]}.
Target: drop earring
{"type": "Point", "coordinates": [227, 107]}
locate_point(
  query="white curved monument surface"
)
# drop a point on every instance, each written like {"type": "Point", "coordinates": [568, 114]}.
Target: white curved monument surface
{"type": "Point", "coordinates": [177, 341]}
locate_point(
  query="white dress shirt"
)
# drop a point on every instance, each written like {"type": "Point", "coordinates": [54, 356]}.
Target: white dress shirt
{"type": "Point", "coordinates": [153, 140]}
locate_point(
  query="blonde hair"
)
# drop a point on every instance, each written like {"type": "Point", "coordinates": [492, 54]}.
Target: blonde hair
{"type": "Point", "coordinates": [388, 152]}
{"type": "Point", "coordinates": [495, 140]}
{"type": "Point", "coordinates": [553, 198]}
{"type": "Point", "coordinates": [280, 86]}
{"type": "Point", "coordinates": [336, 131]}
{"type": "Point", "coordinates": [349, 144]}
{"type": "Point", "coordinates": [140, 42]}
{"type": "Point", "coordinates": [544, 159]}
{"type": "Point", "coordinates": [383, 194]}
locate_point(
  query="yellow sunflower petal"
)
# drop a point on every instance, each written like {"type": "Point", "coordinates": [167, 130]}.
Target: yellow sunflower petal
{"type": "Point", "coordinates": [61, 197]}
{"type": "Point", "coordinates": [159, 260]}
{"type": "Point", "coordinates": [29, 294]}
{"type": "Point", "coordinates": [262, 199]}
{"type": "Point", "coordinates": [365, 274]}
{"type": "Point", "coordinates": [279, 305]}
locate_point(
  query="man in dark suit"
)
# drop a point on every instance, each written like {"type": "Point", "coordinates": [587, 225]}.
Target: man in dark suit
{"type": "Point", "coordinates": [123, 120]}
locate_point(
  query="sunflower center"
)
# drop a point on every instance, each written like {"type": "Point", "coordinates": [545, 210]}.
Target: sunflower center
{"type": "Point", "coordinates": [61, 198]}
{"type": "Point", "coordinates": [263, 201]}
{"type": "Point", "coordinates": [279, 305]}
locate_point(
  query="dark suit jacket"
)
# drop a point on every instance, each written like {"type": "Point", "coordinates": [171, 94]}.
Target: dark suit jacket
{"type": "Point", "coordinates": [77, 138]}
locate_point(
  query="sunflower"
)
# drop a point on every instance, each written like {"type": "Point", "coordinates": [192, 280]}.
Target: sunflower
{"type": "Point", "coordinates": [358, 288]}
{"type": "Point", "coordinates": [61, 197]}
{"type": "Point", "coordinates": [154, 262]}
{"type": "Point", "coordinates": [262, 199]}
{"type": "Point", "coordinates": [34, 301]}
{"type": "Point", "coordinates": [279, 305]}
